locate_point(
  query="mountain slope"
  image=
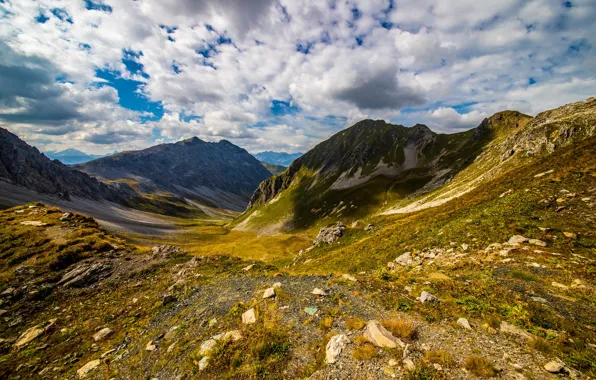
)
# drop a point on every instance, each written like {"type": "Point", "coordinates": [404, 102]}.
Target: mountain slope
{"type": "Point", "coordinates": [378, 167]}
{"type": "Point", "coordinates": [71, 156]}
{"type": "Point", "coordinates": [277, 158]}
{"type": "Point", "coordinates": [218, 175]}
{"type": "Point", "coordinates": [274, 169]}
{"type": "Point", "coordinates": [24, 165]}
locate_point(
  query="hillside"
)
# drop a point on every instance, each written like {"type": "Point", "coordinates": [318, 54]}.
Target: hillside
{"type": "Point", "coordinates": [24, 166]}
{"type": "Point", "coordinates": [274, 169]}
{"type": "Point", "coordinates": [216, 175]}
{"type": "Point", "coordinates": [377, 167]}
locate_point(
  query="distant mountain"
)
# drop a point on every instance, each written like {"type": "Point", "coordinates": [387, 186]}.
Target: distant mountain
{"type": "Point", "coordinates": [23, 165]}
{"type": "Point", "coordinates": [274, 169]}
{"type": "Point", "coordinates": [72, 156]}
{"type": "Point", "coordinates": [375, 167]}
{"type": "Point", "coordinates": [220, 175]}
{"type": "Point", "coordinates": [277, 158]}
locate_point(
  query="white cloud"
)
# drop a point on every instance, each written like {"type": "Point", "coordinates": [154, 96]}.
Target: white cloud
{"type": "Point", "coordinates": [366, 59]}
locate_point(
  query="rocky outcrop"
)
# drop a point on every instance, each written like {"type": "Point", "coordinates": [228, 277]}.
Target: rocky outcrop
{"type": "Point", "coordinates": [85, 274]}
{"type": "Point", "coordinates": [329, 235]}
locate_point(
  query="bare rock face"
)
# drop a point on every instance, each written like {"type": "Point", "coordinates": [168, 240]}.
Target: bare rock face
{"type": "Point", "coordinates": [330, 235]}
{"type": "Point", "coordinates": [85, 274]}
{"type": "Point", "coordinates": [33, 333]}
{"type": "Point", "coordinates": [166, 251]}
{"type": "Point", "coordinates": [23, 165]}
{"type": "Point", "coordinates": [380, 337]}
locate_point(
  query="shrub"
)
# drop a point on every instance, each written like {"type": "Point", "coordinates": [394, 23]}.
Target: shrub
{"type": "Point", "coordinates": [480, 366]}
{"type": "Point", "coordinates": [401, 328]}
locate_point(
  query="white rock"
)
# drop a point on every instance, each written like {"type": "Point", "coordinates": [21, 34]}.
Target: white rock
{"type": "Point", "coordinates": [247, 268]}
{"type": "Point", "coordinates": [318, 292]}
{"type": "Point", "coordinates": [150, 346]}
{"type": "Point", "coordinates": [543, 174]}
{"type": "Point", "coordinates": [203, 363]}
{"type": "Point", "coordinates": [349, 278]}
{"type": "Point", "coordinates": [334, 347]}
{"type": "Point", "coordinates": [409, 364]}
{"type": "Point", "coordinates": [517, 239]}
{"type": "Point", "coordinates": [269, 293]}
{"type": "Point", "coordinates": [537, 242]}
{"type": "Point", "coordinates": [427, 297]}
{"type": "Point", "coordinates": [380, 337]}
{"type": "Point", "coordinates": [464, 247]}
{"type": "Point", "coordinates": [277, 285]}
{"type": "Point", "coordinates": [464, 323]}
{"type": "Point", "coordinates": [90, 366]}
{"type": "Point", "coordinates": [404, 259]}
{"type": "Point", "coordinates": [554, 367]}
{"type": "Point", "coordinates": [249, 317]}
{"type": "Point", "coordinates": [102, 334]}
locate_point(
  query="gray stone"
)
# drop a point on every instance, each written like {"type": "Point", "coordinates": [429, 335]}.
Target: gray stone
{"type": "Point", "coordinates": [537, 242]}
{"type": "Point", "coordinates": [404, 259]}
{"type": "Point", "coordinates": [517, 239]}
{"type": "Point", "coordinates": [85, 274]}
{"type": "Point", "coordinates": [249, 317]}
{"type": "Point", "coordinates": [554, 367]}
{"type": "Point", "coordinates": [102, 334]}
{"type": "Point", "coordinates": [329, 235]}
{"type": "Point", "coordinates": [427, 297]}
{"type": "Point", "coordinates": [269, 293]}
{"type": "Point", "coordinates": [463, 322]}
{"type": "Point", "coordinates": [334, 347]}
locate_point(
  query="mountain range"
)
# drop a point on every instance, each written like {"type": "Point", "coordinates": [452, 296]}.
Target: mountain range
{"type": "Point", "coordinates": [277, 158]}
{"type": "Point", "coordinates": [376, 167]}
{"type": "Point", "coordinates": [72, 156]}
{"type": "Point", "coordinates": [218, 175]}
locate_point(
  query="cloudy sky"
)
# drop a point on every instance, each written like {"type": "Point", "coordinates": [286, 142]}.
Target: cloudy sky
{"type": "Point", "coordinates": [105, 75]}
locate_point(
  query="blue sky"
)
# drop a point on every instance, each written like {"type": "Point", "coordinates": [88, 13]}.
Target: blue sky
{"type": "Point", "coordinates": [281, 75]}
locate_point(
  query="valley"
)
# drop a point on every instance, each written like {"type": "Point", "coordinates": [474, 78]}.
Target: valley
{"type": "Point", "coordinates": [461, 256]}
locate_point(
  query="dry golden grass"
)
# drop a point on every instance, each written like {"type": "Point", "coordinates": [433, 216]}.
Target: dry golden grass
{"type": "Point", "coordinates": [441, 357]}
{"type": "Point", "coordinates": [401, 328]}
{"type": "Point", "coordinates": [365, 351]}
{"type": "Point", "coordinates": [326, 323]}
{"type": "Point", "coordinates": [355, 323]}
{"type": "Point", "coordinates": [480, 366]}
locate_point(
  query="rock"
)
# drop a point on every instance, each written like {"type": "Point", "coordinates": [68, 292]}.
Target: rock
{"type": "Point", "coordinates": [65, 216]}
{"type": "Point", "coordinates": [34, 223]}
{"type": "Point", "coordinates": [168, 299]}
{"type": "Point", "coordinates": [404, 259]}
{"type": "Point", "coordinates": [329, 235]}
{"type": "Point", "coordinates": [508, 328]}
{"type": "Point", "coordinates": [2, 312]}
{"type": "Point", "coordinates": [334, 347]}
{"type": "Point", "coordinates": [90, 366]}
{"type": "Point", "coordinates": [269, 293]}
{"type": "Point", "coordinates": [554, 367]}
{"type": "Point", "coordinates": [311, 310]}
{"type": "Point", "coordinates": [248, 317]}
{"type": "Point", "coordinates": [539, 299]}
{"type": "Point", "coordinates": [107, 353]}
{"type": "Point", "coordinates": [171, 334]}
{"type": "Point", "coordinates": [277, 285]}
{"type": "Point", "coordinates": [369, 227]}
{"type": "Point", "coordinates": [543, 174]}
{"type": "Point", "coordinates": [464, 247]}
{"type": "Point", "coordinates": [427, 297]}
{"type": "Point", "coordinates": [380, 337]}
{"type": "Point", "coordinates": [166, 250]}
{"type": "Point", "coordinates": [517, 239]}
{"type": "Point", "coordinates": [212, 322]}
{"type": "Point", "coordinates": [570, 235]}
{"type": "Point", "coordinates": [559, 285]}
{"type": "Point", "coordinates": [578, 284]}
{"type": "Point", "coordinates": [102, 334]}
{"type": "Point", "coordinates": [85, 274]}
{"type": "Point", "coordinates": [203, 363]}
{"type": "Point", "coordinates": [349, 278]}
{"type": "Point", "coordinates": [247, 268]}
{"type": "Point", "coordinates": [537, 242]}
{"type": "Point", "coordinates": [151, 346]}
{"type": "Point", "coordinates": [318, 292]}
{"type": "Point", "coordinates": [464, 323]}
{"type": "Point", "coordinates": [409, 364]}
{"type": "Point", "coordinates": [392, 362]}
{"type": "Point", "coordinates": [208, 345]}
{"type": "Point", "coordinates": [33, 333]}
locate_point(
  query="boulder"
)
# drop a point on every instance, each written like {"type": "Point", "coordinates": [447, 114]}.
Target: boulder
{"type": "Point", "coordinates": [334, 347]}
{"type": "Point", "coordinates": [85, 274]}
{"type": "Point", "coordinates": [517, 239]}
{"type": "Point", "coordinates": [33, 333]}
{"type": "Point", "coordinates": [90, 366]}
{"type": "Point", "coordinates": [427, 297]}
{"type": "Point", "coordinates": [537, 242]}
{"type": "Point", "coordinates": [554, 367]}
{"type": "Point", "coordinates": [208, 345]}
{"type": "Point", "coordinates": [329, 235]}
{"type": "Point", "coordinates": [380, 337]}
{"type": "Point", "coordinates": [269, 293]}
{"type": "Point", "coordinates": [508, 328]}
{"type": "Point", "coordinates": [464, 323]}
{"type": "Point", "coordinates": [404, 259]}
{"type": "Point", "coordinates": [249, 317]}
{"type": "Point", "coordinates": [102, 334]}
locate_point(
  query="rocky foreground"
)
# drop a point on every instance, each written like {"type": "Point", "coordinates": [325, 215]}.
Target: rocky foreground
{"type": "Point", "coordinates": [77, 302]}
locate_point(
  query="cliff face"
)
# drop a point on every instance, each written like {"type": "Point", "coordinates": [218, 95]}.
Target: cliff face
{"type": "Point", "coordinates": [216, 174]}
{"type": "Point", "coordinates": [24, 165]}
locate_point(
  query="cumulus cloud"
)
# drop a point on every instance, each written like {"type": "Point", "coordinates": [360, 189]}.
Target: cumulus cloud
{"type": "Point", "coordinates": [215, 68]}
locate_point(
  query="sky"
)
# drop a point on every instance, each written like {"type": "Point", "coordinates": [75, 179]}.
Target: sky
{"type": "Point", "coordinates": [281, 75]}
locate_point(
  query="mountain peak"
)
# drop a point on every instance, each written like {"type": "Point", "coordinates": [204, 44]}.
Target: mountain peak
{"type": "Point", "coordinates": [193, 140]}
